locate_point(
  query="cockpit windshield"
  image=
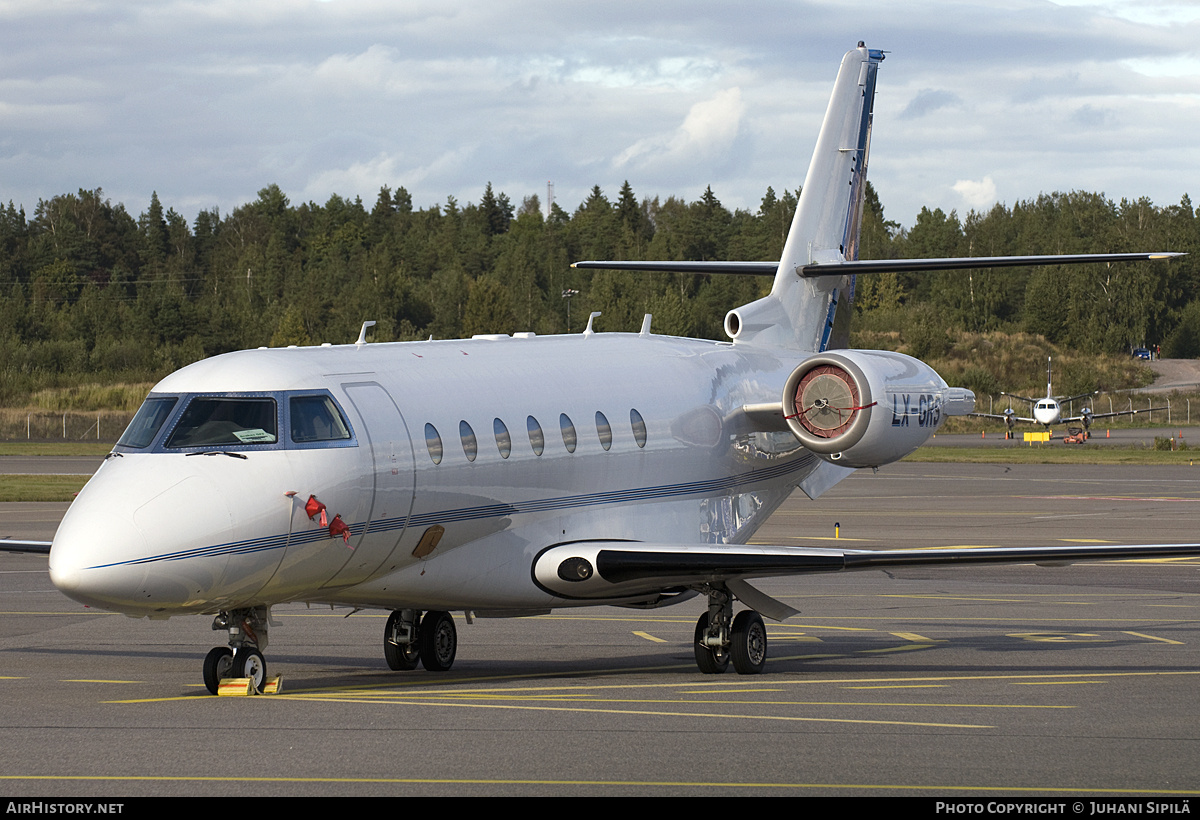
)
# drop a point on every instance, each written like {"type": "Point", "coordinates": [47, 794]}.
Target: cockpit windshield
{"type": "Point", "coordinates": [148, 421]}
{"type": "Point", "coordinates": [211, 422]}
{"type": "Point", "coordinates": [271, 420]}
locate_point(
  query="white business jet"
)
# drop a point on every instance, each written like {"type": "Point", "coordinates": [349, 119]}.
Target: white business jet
{"type": "Point", "coordinates": [511, 475]}
{"type": "Point", "coordinates": [1048, 411]}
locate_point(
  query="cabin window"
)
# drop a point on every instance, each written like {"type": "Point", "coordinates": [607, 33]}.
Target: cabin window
{"type": "Point", "coordinates": [568, 432]}
{"type": "Point", "coordinates": [603, 430]}
{"type": "Point", "coordinates": [639, 427]}
{"type": "Point", "coordinates": [433, 443]}
{"type": "Point", "coordinates": [316, 418]}
{"type": "Point", "coordinates": [216, 422]}
{"type": "Point", "coordinates": [148, 421]}
{"type": "Point", "coordinates": [537, 439]}
{"type": "Point", "coordinates": [503, 439]}
{"type": "Point", "coordinates": [469, 444]}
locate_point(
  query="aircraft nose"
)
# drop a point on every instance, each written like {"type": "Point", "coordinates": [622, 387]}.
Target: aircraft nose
{"type": "Point", "coordinates": [85, 541]}
{"type": "Point", "coordinates": [128, 544]}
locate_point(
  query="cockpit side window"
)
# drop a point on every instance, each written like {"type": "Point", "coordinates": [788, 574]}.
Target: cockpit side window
{"type": "Point", "coordinates": [213, 422]}
{"type": "Point", "coordinates": [316, 418]}
{"type": "Point", "coordinates": [148, 421]}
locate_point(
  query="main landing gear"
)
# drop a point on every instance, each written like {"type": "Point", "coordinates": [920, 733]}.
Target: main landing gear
{"type": "Point", "coordinates": [243, 657]}
{"type": "Point", "coordinates": [720, 637]}
{"type": "Point", "coordinates": [409, 638]}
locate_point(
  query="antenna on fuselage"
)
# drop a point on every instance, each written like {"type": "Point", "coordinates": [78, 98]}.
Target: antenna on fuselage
{"type": "Point", "coordinates": [587, 331]}
{"type": "Point", "coordinates": [362, 334]}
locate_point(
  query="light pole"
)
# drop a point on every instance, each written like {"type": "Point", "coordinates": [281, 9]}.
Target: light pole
{"type": "Point", "coordinates": [567, 294]}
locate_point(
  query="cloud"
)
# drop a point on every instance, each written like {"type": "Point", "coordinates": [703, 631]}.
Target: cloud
{"type": "Point", "coordinates": [977, 195]}
{"type": "Point", "coordinates": [927, 101]}
{"type": "Point", "coordinates": [205, 101]}
{"type": "Point", "coordinates": [708, 130]}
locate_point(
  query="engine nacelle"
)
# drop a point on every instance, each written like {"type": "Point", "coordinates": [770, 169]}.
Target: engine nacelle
{"type": "Point", "coordinates": [863, 408]}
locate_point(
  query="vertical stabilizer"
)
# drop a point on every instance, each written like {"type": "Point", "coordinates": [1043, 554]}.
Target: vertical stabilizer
{"type": "Point", "coordinates": [814, 314]}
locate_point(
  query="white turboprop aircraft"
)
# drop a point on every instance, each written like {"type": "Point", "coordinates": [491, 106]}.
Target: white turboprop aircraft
{"type": "Point", "coordinates": [505, 476]}
{"type": "Point", "coordinates": [1048, 411]}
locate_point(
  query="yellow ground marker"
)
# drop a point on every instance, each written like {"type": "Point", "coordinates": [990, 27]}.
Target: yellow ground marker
{"type": "Point", "coordinates": [1153, 638]}
{"type": "Point", "coordinates": [915, 638]}
{"type": "Point", "coordinates": [648, 636]}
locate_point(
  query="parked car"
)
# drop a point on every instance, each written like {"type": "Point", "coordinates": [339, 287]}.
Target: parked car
{"type": "Point", "coordinates": [1141, 353]}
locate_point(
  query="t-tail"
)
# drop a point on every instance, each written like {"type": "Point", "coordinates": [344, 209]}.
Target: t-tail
{"type": "Point", "coordinates": [813, 314]}
{"type": "Point", "coordinates": [812, 298]}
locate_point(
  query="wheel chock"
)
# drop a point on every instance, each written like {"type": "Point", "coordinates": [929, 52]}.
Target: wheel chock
{"type": "Point", "coordinates": [242, 687]}
{"type": "Point", "coordinates": [235, 687]}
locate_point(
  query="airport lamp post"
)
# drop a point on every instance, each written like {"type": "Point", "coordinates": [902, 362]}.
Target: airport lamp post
{"type": "Point", "coordinates": [567, 294]}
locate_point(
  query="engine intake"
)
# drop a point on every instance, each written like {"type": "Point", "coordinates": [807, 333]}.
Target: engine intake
{"type": "Point", "coordinates": [863, 408]}
{"type": "Point", "coordinates": [828, 402]}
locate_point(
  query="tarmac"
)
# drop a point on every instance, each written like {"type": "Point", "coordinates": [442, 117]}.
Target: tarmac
{"type": "Point", "coordinates": [1068, 683]}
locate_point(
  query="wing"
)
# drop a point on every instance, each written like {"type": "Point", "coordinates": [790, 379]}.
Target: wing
{"type": "Point", "coordinates": [14, 545]}
{"type": "Point", "coordinates": [1002, 417]}
{"type": "Point", "coordinates": [1065, 399]}
{"type": "Point", "coordinates": [592, 570]}
{"type": "Point", "coordinates": [1090, 417]}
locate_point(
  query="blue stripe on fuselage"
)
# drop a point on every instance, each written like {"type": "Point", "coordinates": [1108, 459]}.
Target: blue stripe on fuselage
{"type": "Point", "coordinates": [273, 542]}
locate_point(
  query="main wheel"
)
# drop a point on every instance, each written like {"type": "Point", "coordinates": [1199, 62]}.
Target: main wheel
{"type": "Point", "coordinates": [249, 663]}
{"type": "Point", "coordinates": [438, 641]}
{"type": "Point", "coordinates": [399, 656]}
{"type": "Point", "coordinates": [711, 661]}
{"type": "Point", "coordinates": [217, 664]}
{"type": "Point", "coordinates": [748, 643]}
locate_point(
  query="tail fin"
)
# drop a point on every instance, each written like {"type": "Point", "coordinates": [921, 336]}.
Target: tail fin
{"type": "Point", "coordinates": [814, 314]}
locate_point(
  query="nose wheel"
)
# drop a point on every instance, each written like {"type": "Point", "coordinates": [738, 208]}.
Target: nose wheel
{"type": "Point", "coordinates": [249, 663]}
{"type": "Point", "coordinates": [217, 664]}
{"type": "Point", "coordinates": [243, 657]}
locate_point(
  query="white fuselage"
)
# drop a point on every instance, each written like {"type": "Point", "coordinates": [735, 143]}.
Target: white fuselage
{"type": "Point", "coordinates": [1047, 411]}
{"type": "Point", "coordinates": [657, 454]}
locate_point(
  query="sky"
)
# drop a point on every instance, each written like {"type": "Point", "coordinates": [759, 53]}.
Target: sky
{"type": "Point", "coordinates": [208, 101]}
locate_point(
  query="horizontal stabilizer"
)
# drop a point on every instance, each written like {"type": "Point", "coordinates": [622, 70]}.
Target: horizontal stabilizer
{"type": "Point", "coordinates": [866, 266]}
{"type": "Point", "coordinates": [974, 262]}
{"type": "Point", "coordinates": [737, 268]}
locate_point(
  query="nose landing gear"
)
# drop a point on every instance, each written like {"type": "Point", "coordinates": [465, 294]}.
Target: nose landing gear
{"type": "Point", "coordinates": [243, 657]}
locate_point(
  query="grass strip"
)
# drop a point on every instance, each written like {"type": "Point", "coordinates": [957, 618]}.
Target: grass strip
{"type": "Point", "coordinates": [40, 487]}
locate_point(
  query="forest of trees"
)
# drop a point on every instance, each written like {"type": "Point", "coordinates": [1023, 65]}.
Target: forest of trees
{"type": "Point", "coordinates": [90, 291]}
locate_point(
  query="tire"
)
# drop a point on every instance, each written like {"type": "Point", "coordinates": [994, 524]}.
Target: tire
{"type": "Point", "coordinates": [399, 656]}
{"type": "Point", "coordinates": [438, 640]}
{"type": "Point", "coordinates": [711, 661]}
{"type": "Point", "coordinates": [217, 664]}
{"type": "Point", "coordinates": [748, 643]}
{"type": "Point", "coordinates": [249, 663]}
